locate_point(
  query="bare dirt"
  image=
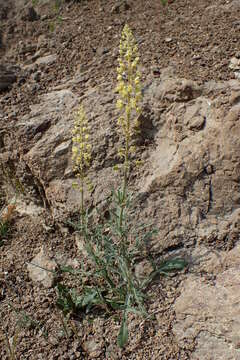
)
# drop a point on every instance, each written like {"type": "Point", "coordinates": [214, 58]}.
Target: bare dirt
{"type": "Point", "coordinates": [196, 37]}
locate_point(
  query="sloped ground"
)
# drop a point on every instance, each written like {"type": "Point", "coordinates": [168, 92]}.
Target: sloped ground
{"type": "Point", "coordinates": [197, 37]}
{"type": "Point", "coordinates": [189, 183]}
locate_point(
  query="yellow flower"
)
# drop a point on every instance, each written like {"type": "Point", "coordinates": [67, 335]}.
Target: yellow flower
{"type": "Point", "coordinates": [137, 80]}
{"type": "Point", "coordinates": [129, 94]}
{"type": "Point", "coordinates": [139, 162]}
{"type": "Point", "coordinates": [119, 104]}
{"type": "Point", "coordinates": [116, 168]}
{"type": "Point", "coordinates": [132, 149]}
{"type": "Point", "coordinates": [129, 86]}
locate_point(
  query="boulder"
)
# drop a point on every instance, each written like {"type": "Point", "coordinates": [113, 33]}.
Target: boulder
{"type": "Point", "coordinates": [207, 311]}
{"type": "Point", "coordinates": [190, 146]}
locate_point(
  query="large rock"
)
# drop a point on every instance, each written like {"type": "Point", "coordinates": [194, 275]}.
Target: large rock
{"type": "Point", "coordinates": [192, 173]}
{"type": "Point", "coordinates": [190, 144]}
{"type": "Point", "coordinates": [207, 311]}
{"type": "Point", "coordinates": [46, 134]}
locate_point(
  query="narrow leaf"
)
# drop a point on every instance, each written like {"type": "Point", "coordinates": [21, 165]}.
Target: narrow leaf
{"type": "Point", "coordinates": [123, 333]}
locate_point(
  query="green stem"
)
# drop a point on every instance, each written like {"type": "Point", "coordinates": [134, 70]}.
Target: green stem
{"type": "Point", "coordinates": [82, 202]}
{"type": "Point", "coordinates": [125, 176]}
{"type": "Point", "coordinates": [127, 138]}
{"type": "Point", "coordinates": [63, 321]}
{"type": "Point", "coordinates": [126, 157]}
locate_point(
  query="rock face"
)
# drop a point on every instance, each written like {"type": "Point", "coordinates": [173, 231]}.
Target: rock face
{"type": "Point", "coordinates": [192, 182]}
{"type": "Point", "coordinates": [46, 140]}
{"type": "Point", "coordinates": [190, 144]}
{"type": "Point", "coordinates": [208, 311]}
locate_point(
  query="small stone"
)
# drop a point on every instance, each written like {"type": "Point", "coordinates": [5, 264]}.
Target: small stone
{"type": "Point", "coordinates": [45, 17]}
{"type": "Point", "coordinates": [102, 51]}
{"type": "Point", "coordinates": [41, 269]}
{"type": "Point", "coordinates": [120, 6]}
{"type": "Point", "coordinates": [196, 57]}
{"type": "Point", "coordinates": [47, 60]}
{"type": "Point", "coordinates": [234, 63]}
{"type": "Point", "coordinates": [237, 74]}
{"type": "Point", "coordinates": [168, 39]}
{"type": "Point", "coordinates": [143, 269]}
{"type": "Point", "coordinates": [93, 348]}
{"type": "Point", "coordinates": [62, 148]}
{"type": "Point", "coordinates": [197, 123]}
{"type": "Point", "coordinates": [42, 41]}
{"type": "Point", "coordinates": [53, 340]}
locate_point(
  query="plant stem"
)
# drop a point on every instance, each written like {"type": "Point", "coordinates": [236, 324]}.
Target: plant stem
{"type": "Point", "coordinates": [63, 321]}
{"type": "Point", "coordinates": [82, 202]}
{"type": "Point", "coordinates": [126, 160]}
{"type": "Point", "coordinates": [124, 186]}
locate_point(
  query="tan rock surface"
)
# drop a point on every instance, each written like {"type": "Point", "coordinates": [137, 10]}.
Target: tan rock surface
{"type": "Point", "coordinates": [207, 311]}
{"type": "Point", "coordinates": [190, 146]}
{"type": "Point", "coordinates": [41, 269]}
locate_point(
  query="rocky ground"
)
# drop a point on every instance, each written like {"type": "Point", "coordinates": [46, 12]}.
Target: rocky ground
{"type": "Point", "coordinates": [52, 59]}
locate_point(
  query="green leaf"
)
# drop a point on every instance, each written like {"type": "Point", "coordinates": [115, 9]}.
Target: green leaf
{"type": "Point", "coordinates": [64, 300]}
{"type": "Point", "coordinates": [173, 265]}
{"type": "Point", "coordinates": [116, 305]}
{"type": "Point", "coordinates": [123, 333]}
{"type": "Point", "coordinates": [77, 300]}
{"type": "Point", "coordinates": [90, 298]}
{"type": "Point", "coordinates": [4, 227]}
